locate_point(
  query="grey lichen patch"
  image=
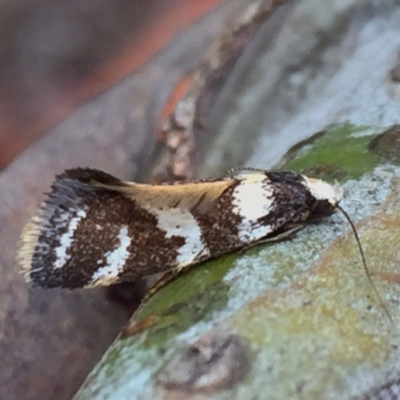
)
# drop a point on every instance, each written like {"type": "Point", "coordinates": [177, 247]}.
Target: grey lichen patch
{"type": "Point", "coordinates": [125, 370]}
{"type": "Point", "coordinates": [366, 387]}
{"type": "Point", "coordinates": [320, 320]}
{"type": "Point", "coordinates": [216, 362]}
{"type": "Point", "coordinates": [335, 85]}
{"type": "Point", "coordinates": [395, 71]}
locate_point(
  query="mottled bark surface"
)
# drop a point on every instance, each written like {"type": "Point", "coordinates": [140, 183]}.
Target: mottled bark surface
{"type": "Point", "coordinates": [55, 55]}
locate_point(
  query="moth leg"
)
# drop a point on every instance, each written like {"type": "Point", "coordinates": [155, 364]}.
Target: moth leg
{"type": "Point", "coordinates": [276, 238]}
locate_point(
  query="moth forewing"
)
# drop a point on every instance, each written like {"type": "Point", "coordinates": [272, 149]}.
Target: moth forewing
{"type": "Point", "coordinates": [94, 229]}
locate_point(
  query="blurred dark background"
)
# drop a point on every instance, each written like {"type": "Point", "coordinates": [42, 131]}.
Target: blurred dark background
{"type": "Point", "coordinates": [55, 54]}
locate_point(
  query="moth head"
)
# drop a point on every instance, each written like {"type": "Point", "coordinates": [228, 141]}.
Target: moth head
{"type": "Point", "coordinates": [327, 196]}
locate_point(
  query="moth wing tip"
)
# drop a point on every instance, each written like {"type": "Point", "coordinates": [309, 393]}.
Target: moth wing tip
{"type": "Point", "coordinates": [26, 248]}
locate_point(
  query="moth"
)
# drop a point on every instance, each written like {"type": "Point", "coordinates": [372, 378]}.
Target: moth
{"type": "Point", "coordinates": [94, 229]}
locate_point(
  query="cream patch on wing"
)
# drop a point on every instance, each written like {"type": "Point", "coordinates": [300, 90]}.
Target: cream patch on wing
{"type": "Point", "coordinates": [116, 259]}
{"type": "Point", "coordinates": [252, 199]}
{"type": "Point", "coordinates": [177, 222]}
{"type": "Point", "coordinates": [67, 239]}
{"type": "Point", "coordinates": [324, 191]}
{"type": "Point", "coordinates": [199, 196]}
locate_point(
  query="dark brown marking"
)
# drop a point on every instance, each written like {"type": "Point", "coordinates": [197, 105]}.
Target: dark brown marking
{"type": "Point", "coordinates": [150, 250]}
{"type": "Point", "coordinates": [219, 227]}
{"type": "Point", "coordinates": [90, 176]}
{"type": "Point", "coordinates": [292, 204]}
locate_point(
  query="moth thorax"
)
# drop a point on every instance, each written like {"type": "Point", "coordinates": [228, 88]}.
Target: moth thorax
{"type": "Point", "coordinates": [323, 191]}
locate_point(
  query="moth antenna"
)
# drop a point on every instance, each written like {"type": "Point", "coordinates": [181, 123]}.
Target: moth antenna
{"type": "Point", "coordinates": [364, 261]}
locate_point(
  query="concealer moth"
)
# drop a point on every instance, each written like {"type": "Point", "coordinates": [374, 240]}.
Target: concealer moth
{"type": "Point", "coordinates": [94, 229]}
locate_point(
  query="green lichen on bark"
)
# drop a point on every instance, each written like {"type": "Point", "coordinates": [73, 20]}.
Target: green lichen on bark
{"type": "Point", "coordinates": [340, 152]}
{"type": "Point", "coordinates": [303, 307]}
{"type": "Point", "coordinates": [183, 302]}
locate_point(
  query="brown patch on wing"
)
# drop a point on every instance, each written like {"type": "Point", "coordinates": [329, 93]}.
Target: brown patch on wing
{"type": "Point", "coordinates": [95, 235]}
{"type": "Point", "coordinates": [293, 202]}
{"type": "Point", "coordinates": [150, 250]}
{"type": "Point", "coordinates": [89, 176]}
{"type": "Point", "coordinates": [219, 227]}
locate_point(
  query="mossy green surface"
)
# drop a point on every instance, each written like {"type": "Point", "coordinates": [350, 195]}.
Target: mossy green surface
{"type": "Point", "coordinates": [338, 153]}
{"type": "Point", "coordinates": [182, 302]}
